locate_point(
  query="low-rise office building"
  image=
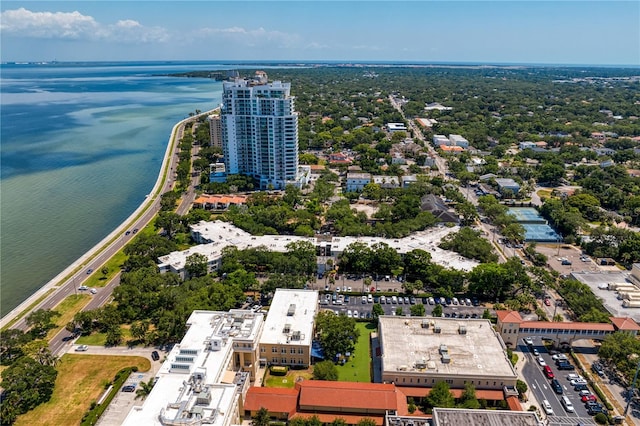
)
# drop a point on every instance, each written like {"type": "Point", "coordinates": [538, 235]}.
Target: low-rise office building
{"type": "Point", "coordinates": [288, 330]}
{"type": "Point", "coordinates": [421, 351]}
{"type": "Point", "coordinates": [206, 375]}
{"type": "Point", "coordinates": [507, 184]}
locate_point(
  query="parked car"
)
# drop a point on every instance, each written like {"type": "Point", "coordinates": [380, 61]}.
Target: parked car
{"type": "Point", "coordinates": [93, 291]}
{"type": "Point", "coordinates": [588, 398]}
{"type": "Point", "coordinates": [548, 372]}
{"type": "Point", "coordinates": [541, 361]}
{"type": "Point", "coordinates": [83, 288]}
{"type": "Point", "coordinates": [528, 341]}
{"type": "Point", "coordinates": [129, 388]}
{"type": "Point", "coordinates": [575, 382]}
{"type": "Point", "coordinates": [155, 355]}
{"type": "Point", "coordinates": [557, 387]}
{"type": "Point", "coordinates": [580, 387]}
{"type": "Point", "coordinates": [547, 407]}
{"type": "Point", "coordinates": [82, 348]}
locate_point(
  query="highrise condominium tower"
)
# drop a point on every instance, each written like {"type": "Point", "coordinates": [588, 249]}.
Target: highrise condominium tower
{"type": "Point", "coordinates": [260, 131]}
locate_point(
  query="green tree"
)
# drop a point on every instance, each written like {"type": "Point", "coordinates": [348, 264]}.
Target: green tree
{"type": "Point", "coordinates": [27, 384]}
{"type": "Point", "coordinates": [261, 418]}
{"type": "Point", "coordinates": [325, 370]}
{"type": "Point", "coordinates": [11, 342]}
{"type": "Point", "coordinates": [521, 387]}
{"type": "Point", "coordinates": [366, 422]}
{"type": "Point", "coordinates": [437, 311]}
{"type": "Point", "coordinates": [196, 265]}
{"type": "Point", "coordinates": [114, 336]}
{"type": "Point", "coordinates": [376, 311]}
{"type": "Point", "coordinates": [468, 398]}
{"type": "Point", "coordinates": [144, 388]}
{"type": "Point", "coordinates": [399, 311]}
{"type": "Point", "coordinates": [440, 396]}
{"type": "Point", "coordinates": [337, 333]}
{"type": "Point", "coordinates": [417, 310]}
{"type": "Point", "coordinates": [41, 321]}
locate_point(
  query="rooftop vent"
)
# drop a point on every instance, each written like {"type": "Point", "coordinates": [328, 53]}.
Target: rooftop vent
{"type": "Point", "coordinates": [425, 323]}
{"type": "Point", "coordinates": [437, 329]}
{"type": "Point", "coordinates": [443, 349]}
{"type": "Point", "coordinates": [296, 335]}
{"type": "Point", "coordinates": [462, 329]}
{"type": "Point", "coordinates": [286, 329]}
{"type": "Point", "coordinates": [446, 359]}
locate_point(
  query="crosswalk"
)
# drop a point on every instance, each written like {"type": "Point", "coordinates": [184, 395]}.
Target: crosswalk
{"type": "Point", "coordinates": [570, 420]}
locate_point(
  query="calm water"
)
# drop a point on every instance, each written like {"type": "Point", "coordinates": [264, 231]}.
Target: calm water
{"type": "Point", "coordinates": [81, 146]}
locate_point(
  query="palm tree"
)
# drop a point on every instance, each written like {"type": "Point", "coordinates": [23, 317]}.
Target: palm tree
{"type": "Point", "coordinates": [145, 389]}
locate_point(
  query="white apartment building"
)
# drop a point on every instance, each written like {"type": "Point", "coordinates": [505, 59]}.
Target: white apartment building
{"type": "Point", "coordinates": [440, 140]}
{"type": "Point", "coordinates": [206, 375]}
{"type": "Point", "coordinates": [260, 131]}
{"type": "Point", "coordinates": [457, 140]}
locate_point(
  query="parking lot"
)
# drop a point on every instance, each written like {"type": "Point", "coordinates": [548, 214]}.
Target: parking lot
{"type": "Point", "coordinates": [354, 304]}
{"type": "Point", "coordinates": [120, 406]}
{"type": "Point", "coordinates": [541, 384]}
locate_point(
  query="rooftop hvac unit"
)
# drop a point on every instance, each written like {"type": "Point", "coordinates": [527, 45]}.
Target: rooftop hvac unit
{"type": "Point", "coordinates": [425, 323]}
{"type": "Point", "coordinates": [292, 310]}
{"type": "Point", "coordinates": [443, 349]}
{"type": "Point", "coordinates": [296, 335]}
{"type": "Point", "coordinates": [437, 329]}
{"type": "Point", "coordinates": [446, 359]}
{"type": "Point", "coordinates": [286, 329]}
{"type": "Point", "coordinates": [462, 330]}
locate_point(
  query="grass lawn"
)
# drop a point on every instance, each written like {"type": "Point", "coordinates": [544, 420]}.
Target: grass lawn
{"type": "Point", "coordinates": [544, 193]}
{"type": "Point", "coordinates": [358, 368]}
{"type": "Point", "coordinates": [81, 380]}
{"type": "Point", "coordinates": [287, 381]}
{"type": "Point", "coordinates": [99, 339]}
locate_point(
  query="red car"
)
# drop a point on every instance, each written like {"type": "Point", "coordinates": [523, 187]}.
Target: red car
{"type": "Point", "coordinates": [547, 302]}
{"type": "Point", "coordinates": [588, 398]}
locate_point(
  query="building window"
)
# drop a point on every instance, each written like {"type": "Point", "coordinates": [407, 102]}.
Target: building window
{"type": "Point", "coordinates": [283, 351]}
{"type": "Point", "coordinates": [274, 350]}
{"type": "Point", "coordinates": [292, 351]}
{"type": "Point", "coordinates": [449, 381]}
{"type": "Point", "coordinates": [263, 350]}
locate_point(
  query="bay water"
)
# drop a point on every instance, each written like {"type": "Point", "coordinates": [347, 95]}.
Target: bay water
{"type": "Point", "coordinates": [81, 145]}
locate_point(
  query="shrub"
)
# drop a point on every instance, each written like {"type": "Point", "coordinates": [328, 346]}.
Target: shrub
{"type": "Point", "coordinates": [601, 419]}
{"type": "Point", "coordinates": [277, 370]}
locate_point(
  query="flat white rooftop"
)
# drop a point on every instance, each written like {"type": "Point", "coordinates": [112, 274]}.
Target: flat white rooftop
{"type": "Point", "coordinates": [216, 235]}
{"type": "Point", "coordinates": [290, 317]}
{"type": "Point", "coordinates": [189, 383]}
{"type": "Point", "coordinates": [408, 346]}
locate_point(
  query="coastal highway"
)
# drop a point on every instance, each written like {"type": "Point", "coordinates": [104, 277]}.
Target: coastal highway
{"type": "Point", "coordinates": [69, 280]}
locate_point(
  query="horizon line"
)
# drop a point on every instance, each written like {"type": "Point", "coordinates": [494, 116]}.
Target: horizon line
{"type": "Point", "coordinates": [325, 62]}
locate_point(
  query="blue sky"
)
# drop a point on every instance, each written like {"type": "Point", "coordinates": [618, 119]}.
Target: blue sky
{"type": "Point", "coordinates": [558, 32]}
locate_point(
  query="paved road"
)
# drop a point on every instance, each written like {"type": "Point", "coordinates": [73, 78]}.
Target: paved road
{"type": "Point", "coordinates": [541, 388]}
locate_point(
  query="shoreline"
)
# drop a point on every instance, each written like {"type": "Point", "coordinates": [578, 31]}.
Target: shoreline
{"type": "Point", "coordinates": [75, 270]}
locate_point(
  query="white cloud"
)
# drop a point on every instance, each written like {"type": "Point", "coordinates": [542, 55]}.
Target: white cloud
{"type": "Point", "coordinates": [249, 37]}
{"type": "Point", "coordinates": [74, 26]}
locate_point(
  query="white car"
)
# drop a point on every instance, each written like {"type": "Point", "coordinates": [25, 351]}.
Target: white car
{"type": "Point", "coordinates": [575, 382]}
{"type": "Point", "coordinates": [558, 356]}
{"type": "Point", "coordinates": [541, 361]}
{"type": "Point", "coordinates": [573, 376]}
{"type": "Point", "coordinates": [547, 407]}
{"type": "Point", "coordinates": [82, 348]}
{"type": "Point", "coordinates": [93, 291]}
{"type": "Point", "coordinates": [83, 288]}
{"type": "Point", "coordinates": [528, 341]}
{"type": "Point", "coordinates": [349, 314]}
{"type": "Point", "coordinates": [583, 393]}
{"type": "Point", "coordinates": [355, 314]}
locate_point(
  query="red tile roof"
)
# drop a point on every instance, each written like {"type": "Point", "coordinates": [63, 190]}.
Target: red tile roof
{"type": "Point", "coordinates": [625, 323]}
{"type": "Point", "coordinates": [508, 316]}
{"type": "Point", "coordinates": [567, 325]}
{"type": "Point", "coordinates": [372, 396]}
{"type": "Point", "coordinates": [276, 400]}
{"type": "Point", "coordinates": [513, 403]}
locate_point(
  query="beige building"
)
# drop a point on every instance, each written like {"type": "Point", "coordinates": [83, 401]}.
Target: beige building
{"type": "Point", "coordinates": [215, 130]}
{"type": "Point", "coordinates": [288, 330]}
{"type": "Point", "coordinates": [421, 351]}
